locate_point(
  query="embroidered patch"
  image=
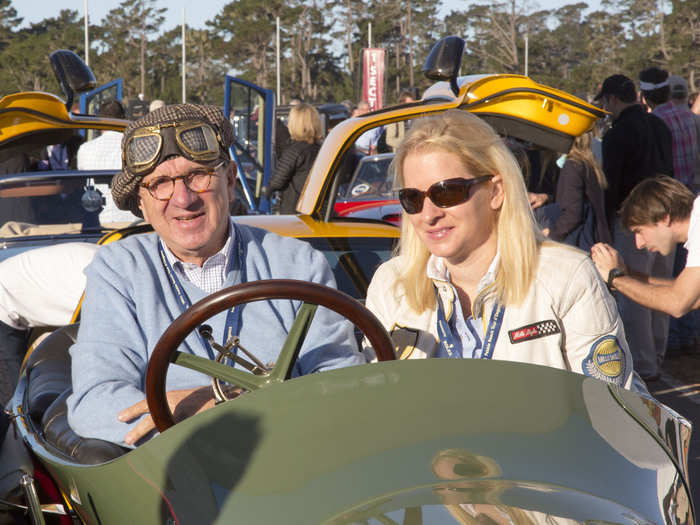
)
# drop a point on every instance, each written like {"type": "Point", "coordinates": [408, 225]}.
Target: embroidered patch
{"type": "Point", "coordinates": [405, 340]}
{"type": "Point", "coordinates": [606, 360]}
{"type": "Point", "coordinates": [533, 331]}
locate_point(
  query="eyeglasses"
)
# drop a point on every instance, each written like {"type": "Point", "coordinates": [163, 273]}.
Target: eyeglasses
{"type": "Point", "coordinates": [195, 140]}
{"type": "Point", "coordinates": [443, 194]}
{"type": "Point", "coordinates": [197, 181]}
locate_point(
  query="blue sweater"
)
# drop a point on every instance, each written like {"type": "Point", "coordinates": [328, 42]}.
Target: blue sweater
{"type": "Point", "coordinates": [129, 302]}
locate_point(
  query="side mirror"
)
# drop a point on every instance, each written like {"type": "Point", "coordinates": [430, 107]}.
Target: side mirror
{"type": "Point", "coordinates": [73, 75]}
{"type": "Point", "coordinates": [444, 61]}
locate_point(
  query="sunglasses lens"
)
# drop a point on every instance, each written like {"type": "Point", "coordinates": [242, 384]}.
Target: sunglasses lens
{"type": "Point", "coordinates": [142, 150]}
{"type": "Point", "coordinates": [450, 193]}
{"type": "Point", "coordinates": [411, 200]}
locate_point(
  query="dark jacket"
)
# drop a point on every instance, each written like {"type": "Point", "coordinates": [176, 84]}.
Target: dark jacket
{"type": "Point", "coordinates": [578, 184]}
{"type": "Point", "coordinates": [291, 171]}
{"type": "Point", "coordinates": [637, 146]}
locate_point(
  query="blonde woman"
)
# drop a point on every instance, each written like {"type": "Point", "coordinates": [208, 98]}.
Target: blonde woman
{"type": "Point", "coordinates": [473, 277]}
{"type": "Point", "coordinates": [580, 196]}
{"type": "Point", "coordinates": [297, 158]}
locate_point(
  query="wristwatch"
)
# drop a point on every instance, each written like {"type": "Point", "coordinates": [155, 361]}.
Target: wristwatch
{"type": "Point", "coordinates": [615, 272]}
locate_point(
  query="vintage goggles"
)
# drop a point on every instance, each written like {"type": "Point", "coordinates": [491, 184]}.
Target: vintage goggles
{"type": "Point", "coordinates": [147, 146]}
{"type": "Point", "coordinates": [443, 194]}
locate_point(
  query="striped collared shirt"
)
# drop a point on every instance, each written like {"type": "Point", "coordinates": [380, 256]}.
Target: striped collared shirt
{"type": "Point", "coordinates": [211, 275]}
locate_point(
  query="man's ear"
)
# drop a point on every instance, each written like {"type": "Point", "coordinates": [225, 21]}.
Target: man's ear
{"type": "Point", "coordinates": [666, 221]}
{"type": "Point", "coordinates": [142, 208]}
{"type": "Point", "coordinates": [231, 171]}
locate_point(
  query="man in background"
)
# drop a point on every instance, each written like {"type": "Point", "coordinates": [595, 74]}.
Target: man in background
{"type": "Point", "coordinates": [636, 147]}
{"type": "Point", "coordinates": [367, 142]}
{"type": "Point", "coordinates": [105, 153]}
{"type": "Point", "coordinates": [656, 93]}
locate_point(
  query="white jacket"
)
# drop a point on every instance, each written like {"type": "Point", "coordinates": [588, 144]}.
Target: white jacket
{"type": "Point", "coordinates": [568, 319]}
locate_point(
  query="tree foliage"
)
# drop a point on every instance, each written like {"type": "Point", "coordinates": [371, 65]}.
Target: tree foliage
{"type": "Point", "coordinates": [571, 47]}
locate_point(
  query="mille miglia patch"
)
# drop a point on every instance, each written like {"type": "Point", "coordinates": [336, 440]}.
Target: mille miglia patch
{"type": "Point", "coordinates": [533, 331]}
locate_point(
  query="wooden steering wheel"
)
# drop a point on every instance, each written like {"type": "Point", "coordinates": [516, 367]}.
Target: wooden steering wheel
{"type": "Point", "coordinates": [311, 294]}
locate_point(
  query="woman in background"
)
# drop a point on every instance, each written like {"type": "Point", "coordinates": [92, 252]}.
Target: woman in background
{"type": "Point", "coordinates": [580, 196]}
{"type": "Point", "coordinates": [297, 158]}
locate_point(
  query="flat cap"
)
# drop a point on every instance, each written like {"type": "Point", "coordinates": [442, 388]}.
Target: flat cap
{"type": "Point", "coordinates": [125, 184]}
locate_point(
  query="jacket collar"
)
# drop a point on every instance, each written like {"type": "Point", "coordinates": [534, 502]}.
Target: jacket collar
{"type": "Point", "coordinates": [436, 270]}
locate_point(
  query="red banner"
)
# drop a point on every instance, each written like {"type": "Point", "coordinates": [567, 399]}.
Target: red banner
{"type": "Point", "coordinates": [373, 78]}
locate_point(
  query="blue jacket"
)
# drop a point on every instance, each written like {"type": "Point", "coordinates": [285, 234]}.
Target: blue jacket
{"type": "Point", "coordinates": [129, 302]}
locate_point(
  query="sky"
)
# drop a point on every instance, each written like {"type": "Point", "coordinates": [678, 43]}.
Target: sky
{"type": "Point", "coordinates": [37, 10]}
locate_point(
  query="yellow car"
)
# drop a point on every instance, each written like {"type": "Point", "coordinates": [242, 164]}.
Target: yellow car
{"type": "Point", "coordinates": [515, 105]}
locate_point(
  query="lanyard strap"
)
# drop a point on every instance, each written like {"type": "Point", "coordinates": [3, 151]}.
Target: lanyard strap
{"type": "Point", "coordinates": [233, 317]}
{"type": "Point", "coordinates": [450, 344]}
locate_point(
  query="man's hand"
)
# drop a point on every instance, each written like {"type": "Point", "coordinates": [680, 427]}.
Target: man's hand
{"type": "Point", "coordinates": [606, 258]}
{"type": "Point", "coordinates": [537, 199]}
{"type": "Point", "coordinates": [183, 403]}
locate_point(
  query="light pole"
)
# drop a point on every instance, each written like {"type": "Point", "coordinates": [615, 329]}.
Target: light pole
{"type": "Point", "coordinates": [87, 40]}
{"type": "Point", "coordinates": [184, 60]}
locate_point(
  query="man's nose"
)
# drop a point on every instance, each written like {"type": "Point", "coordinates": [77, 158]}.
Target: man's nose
{"type": "Point", "coordinates": [182, 195]}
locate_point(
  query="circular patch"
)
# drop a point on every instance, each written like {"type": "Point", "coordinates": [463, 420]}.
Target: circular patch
{"type": "Point", "coordinates": [360, 189]}
{"type": "Point", "coordinates": [563, 119]}
{"type": "Point", "coordinates": [606, 360]}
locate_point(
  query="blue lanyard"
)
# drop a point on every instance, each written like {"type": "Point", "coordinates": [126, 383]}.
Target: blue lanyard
{"type": "Point", "coordinates": [233, 317]}
{"type": "Point", "coordinates": [450, 343]}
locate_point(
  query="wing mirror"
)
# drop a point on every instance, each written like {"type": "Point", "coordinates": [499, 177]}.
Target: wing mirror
{"type": "Point", "coordinates": [72, 74]}
{"type": "Point", "coordinates": [444, 61]}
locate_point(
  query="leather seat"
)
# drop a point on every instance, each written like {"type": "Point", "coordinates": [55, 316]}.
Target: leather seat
{"type": "Point", "coordinates": [48, 371]}
{"type": "Point", "coordinates": [61, 437]}
{"type": "Point", "coordinates": [48, 387]}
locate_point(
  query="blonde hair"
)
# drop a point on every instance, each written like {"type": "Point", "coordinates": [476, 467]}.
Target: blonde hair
{"type": "Point", "coordinates": [483, 153]}
{"type": "Point", "coordinates": [581, 152]}
{"type": "Point", "coordinates": [305, 124]}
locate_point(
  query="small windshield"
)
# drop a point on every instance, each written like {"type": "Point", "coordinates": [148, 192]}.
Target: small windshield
{"type": "Point", "coordinates": [37, 204]}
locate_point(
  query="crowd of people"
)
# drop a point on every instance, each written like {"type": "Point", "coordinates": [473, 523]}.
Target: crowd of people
{"type": "Point", "coordinates": [475, 274]}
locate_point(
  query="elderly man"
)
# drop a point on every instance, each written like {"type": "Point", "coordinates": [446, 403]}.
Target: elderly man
{"type": "Point", "coordinates": [176, 173]}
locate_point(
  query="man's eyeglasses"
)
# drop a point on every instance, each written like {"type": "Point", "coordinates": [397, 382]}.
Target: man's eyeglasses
{"type": "Point", "coordinates": [443, 194]}
{"type": "Point", "coordinates": [197, 181]}
{"type": "Point", "coordinates": [195, 140]}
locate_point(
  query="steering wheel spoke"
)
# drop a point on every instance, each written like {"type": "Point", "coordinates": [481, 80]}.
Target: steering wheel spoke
{"type": "Point", "coordinates": [221, 371]}
{"type": "Point", "coordinates": [293, 343]}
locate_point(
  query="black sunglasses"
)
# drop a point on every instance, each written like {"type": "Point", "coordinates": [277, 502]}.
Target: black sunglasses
{"type": "Point", "coordinates": [443, 194]}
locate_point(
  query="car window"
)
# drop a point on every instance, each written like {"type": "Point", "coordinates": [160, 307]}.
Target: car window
{"type": "Point", "coordinates": [366, 188]}
{"type": "Point", "coordinates": [353, 260]}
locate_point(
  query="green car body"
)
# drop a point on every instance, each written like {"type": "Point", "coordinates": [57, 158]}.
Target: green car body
{"type": "Point", "coordinates": [384, 442]}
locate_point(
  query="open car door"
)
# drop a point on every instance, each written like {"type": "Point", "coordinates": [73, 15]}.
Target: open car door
{"type": "Point", "coordinates": [91, 101]}
{"type": "Point", "coordinates": [251, 110]}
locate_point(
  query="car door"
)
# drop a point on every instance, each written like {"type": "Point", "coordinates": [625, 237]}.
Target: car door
{"type": "Point", "coordinates": [91, 101]}
{"type": "Point", "coordinates": [251, 111]}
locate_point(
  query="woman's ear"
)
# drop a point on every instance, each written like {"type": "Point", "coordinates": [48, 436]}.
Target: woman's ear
{"type": "Point", "coordinates": [497, 192]}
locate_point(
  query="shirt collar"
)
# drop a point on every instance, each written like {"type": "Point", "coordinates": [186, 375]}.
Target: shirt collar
{"type": "Point", "coordinates": [436, 270]}
{"type": "Point", "coordinates": [225, 250]}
